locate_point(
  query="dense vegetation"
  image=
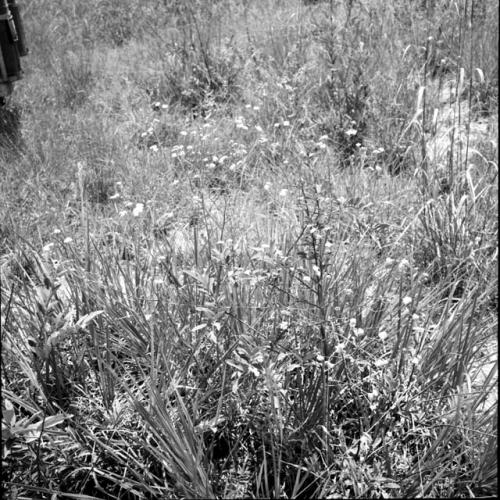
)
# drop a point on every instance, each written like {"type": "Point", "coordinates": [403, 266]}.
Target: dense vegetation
{"type": "Point", "coordinates": [249, 248]}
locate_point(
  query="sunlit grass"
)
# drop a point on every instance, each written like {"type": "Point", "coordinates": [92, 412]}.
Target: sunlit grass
{"type": "Point", "coordinates": [245, 279]}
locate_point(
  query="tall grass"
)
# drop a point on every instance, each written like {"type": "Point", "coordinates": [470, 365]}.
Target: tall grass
{"type": "Point", "coordinates": [250, 250]}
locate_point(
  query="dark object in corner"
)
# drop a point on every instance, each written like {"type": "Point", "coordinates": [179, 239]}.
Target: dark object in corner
{"type": "Point", "coordinates": [12, 46]}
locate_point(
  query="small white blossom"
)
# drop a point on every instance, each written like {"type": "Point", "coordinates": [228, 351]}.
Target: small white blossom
{"type": "Point", "coordinates": [359, 332]}
{"type": "Point", "coordinates": [383, 335]}
{"type": "Point", "coordinates": [416, 360]}
{"type": "Point", "coordinates": [340, 348]}
{"type": "Point", "coordinates": [47, 248]}
{"type": "Point", "coordinates": [404, 264]}
{"type": "Point", "coordinates": [138, 209]}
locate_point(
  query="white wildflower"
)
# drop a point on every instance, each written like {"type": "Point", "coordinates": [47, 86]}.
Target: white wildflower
{"type": "Point", "coordinates": [138, 209]}
{"type": "Point", "coordinates": [404, 264]}
{"type": "Point", "coordinates": [383, 335]}
{"type": "Point", "coordinates": [340, 348]}
{"type": "Point", "coordinates": [47, 248]}
{"type": "Point", "coordinates": [359, 332]}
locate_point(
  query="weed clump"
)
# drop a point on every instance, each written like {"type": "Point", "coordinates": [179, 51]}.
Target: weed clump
{"type": "Point", "coordinates": [75, 79]}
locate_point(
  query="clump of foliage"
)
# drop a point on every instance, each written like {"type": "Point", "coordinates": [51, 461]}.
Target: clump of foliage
{"type": "Point", "coordinates": [247, 250]}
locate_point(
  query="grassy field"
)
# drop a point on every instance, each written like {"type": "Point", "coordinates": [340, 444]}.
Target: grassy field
{"type": "Point", "coordinates": [249, 249]}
